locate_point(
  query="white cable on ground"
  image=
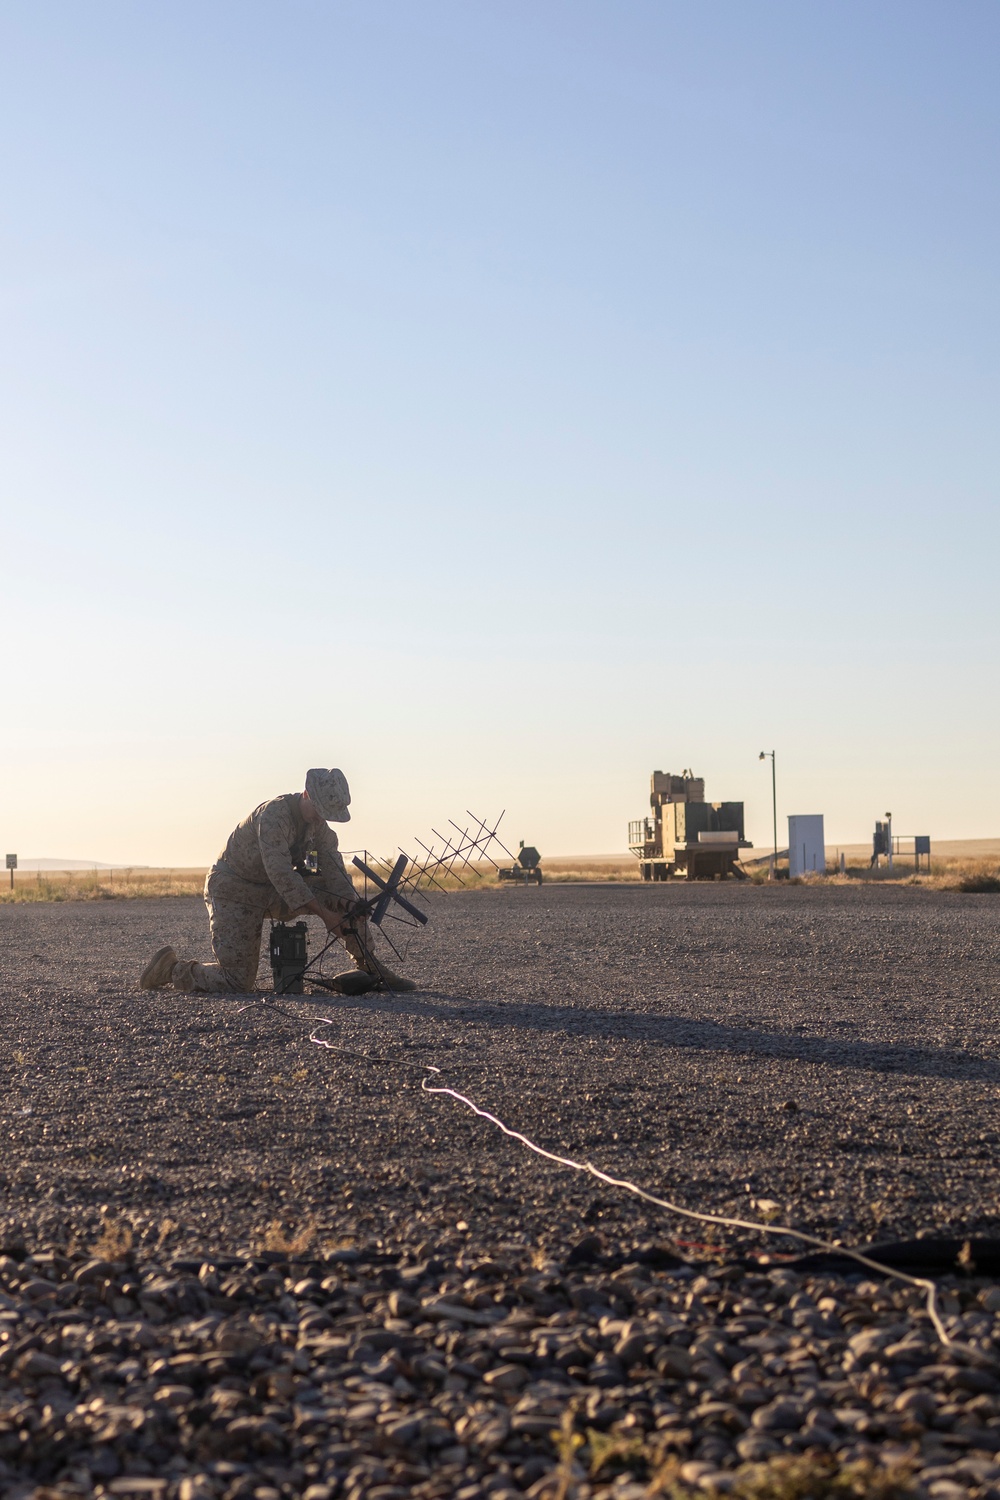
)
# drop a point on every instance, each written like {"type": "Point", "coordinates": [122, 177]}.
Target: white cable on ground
{"type": "Point", "coordinates": [921, 1282]}
{"type": "Point", "coordinates": [395, 1062]}
{"type": "Point", "coordinates": [928, 1287]}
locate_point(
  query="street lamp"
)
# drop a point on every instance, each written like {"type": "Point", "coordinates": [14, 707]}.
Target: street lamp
{"type": "Point", "coordinates": [774, 803]}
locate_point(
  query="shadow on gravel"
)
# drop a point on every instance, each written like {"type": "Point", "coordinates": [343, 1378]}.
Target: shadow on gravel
{"type": "Point", "coordinates": [681, 1031]}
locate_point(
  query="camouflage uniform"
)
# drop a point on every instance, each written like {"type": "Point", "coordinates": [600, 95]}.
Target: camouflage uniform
{"type": "Point", "coordinates": [259, 874]}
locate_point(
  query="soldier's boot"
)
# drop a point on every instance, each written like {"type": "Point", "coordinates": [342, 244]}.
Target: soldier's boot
{"type": "Point", "coordinates": [365, 959]}
{"type": "Point", "coordinates": [385, 976]}
{"type": "Point", "coordinates": [156, 974]}
{"type": "Point", "coordinates": [182, 977]}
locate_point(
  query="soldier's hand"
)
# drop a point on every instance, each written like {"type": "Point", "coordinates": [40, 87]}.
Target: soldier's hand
{"type": "Point", "coordinates": [330, 919]}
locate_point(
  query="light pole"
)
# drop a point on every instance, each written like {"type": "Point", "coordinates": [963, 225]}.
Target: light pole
{"type": "Point", "coordinates": [774, 804]}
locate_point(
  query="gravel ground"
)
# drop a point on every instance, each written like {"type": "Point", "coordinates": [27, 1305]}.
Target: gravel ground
{"type": "Point", "coordinates": [237, 1265]}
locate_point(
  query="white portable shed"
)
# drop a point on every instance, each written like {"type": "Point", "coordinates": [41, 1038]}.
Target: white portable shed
{"type": "Point", "coordinates": [806, 848]}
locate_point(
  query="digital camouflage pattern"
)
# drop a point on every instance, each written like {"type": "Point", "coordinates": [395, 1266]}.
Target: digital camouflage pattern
{"type": "Point", "coordinates": [330, 792]}
{"type": "Point", "coordinates": [260, 874]}
{"type": "Point", "coordinates": [265, 849]}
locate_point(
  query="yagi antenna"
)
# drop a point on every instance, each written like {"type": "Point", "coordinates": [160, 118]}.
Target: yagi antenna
{"type": "Point", "coordinates": [390, 891]}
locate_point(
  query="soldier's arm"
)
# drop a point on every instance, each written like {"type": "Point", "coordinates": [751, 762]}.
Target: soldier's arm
{"type": "Point", "coordinates": [333, 921]}
{"type": "Point", "coordinates": [275, 836]}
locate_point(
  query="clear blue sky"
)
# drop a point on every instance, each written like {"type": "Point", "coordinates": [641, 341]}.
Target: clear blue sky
{"type": "Point", "coordinates": [497, 400]}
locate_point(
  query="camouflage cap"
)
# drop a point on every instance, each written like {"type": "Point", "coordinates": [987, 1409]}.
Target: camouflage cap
{"type": "Point", "coordinates": [331, 794]}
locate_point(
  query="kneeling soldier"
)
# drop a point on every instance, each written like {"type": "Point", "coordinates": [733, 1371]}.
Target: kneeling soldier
{"type": "Point", "coordinates": [262, 873]}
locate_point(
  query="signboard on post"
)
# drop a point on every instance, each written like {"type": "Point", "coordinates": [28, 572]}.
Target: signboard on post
{"type": "Point", "coordinates": [12, 866]}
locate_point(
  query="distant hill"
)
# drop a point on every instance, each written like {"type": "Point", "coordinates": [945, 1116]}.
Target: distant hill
{"type": "Point", "coordinates": [73, 864]}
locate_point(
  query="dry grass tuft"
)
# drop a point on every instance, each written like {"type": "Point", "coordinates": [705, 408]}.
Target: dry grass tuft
{"type": "Point", "coordinates": [593, 867]}
{"type": "Point", "coordinates": [164, 1231]}
{"type": "Point", "coordinates": [567, 1441]}
{"type": "Point", "coordinates": [329, 1247]}
{"type": "Point", "coordinates": [799, 1478]}
{"type": "Point", "coordinates": [979, 883]}
{"type": "Point", "coordinates": [971, 876]}
{"type": "Point", "coordinates": [609, 1449]}
{"type": "Point", "coordinates": [115, 1240]}
{"type": "Point", "coordinates": [100, 885]}
{"type": "Point", "coordinates": [653, 1464]}
{"type": "Point", "coordinates": [277, 1237]}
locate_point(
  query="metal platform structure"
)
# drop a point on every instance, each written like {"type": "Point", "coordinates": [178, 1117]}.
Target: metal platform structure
{"type": "Point", "coordinates": [687, 835]}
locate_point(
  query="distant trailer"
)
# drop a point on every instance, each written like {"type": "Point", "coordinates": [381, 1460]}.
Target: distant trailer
{"type": "Point", "coordinates": [526, 870]}
{"type": "Point", "coordinates": [687, 835]}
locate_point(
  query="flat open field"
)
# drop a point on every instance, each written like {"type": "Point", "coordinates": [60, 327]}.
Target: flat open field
{"type": "Point", "coordinates": [953, 864]}
{"type": "Point", "coordinates": [834, 1051]}
{"type": "Point", "coordinates": [664, 1031]}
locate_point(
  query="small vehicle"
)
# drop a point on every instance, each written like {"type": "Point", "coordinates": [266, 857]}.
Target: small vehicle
{"type": "Point", "coordinates": [526, 870]}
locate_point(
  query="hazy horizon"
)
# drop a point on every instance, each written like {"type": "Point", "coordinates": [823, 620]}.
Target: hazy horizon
{"type": "Point", "coordinates": [946, 848]}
